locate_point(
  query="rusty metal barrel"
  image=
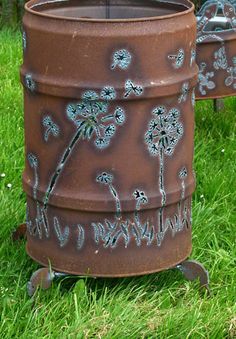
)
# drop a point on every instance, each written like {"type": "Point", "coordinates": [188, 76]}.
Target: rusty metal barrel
{"type": "Point", "coordinates": [216, 49]}
{"type": "Point", "coordinates": [109, 128]}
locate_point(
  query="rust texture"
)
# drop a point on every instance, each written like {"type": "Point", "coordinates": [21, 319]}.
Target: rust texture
{"type": "Point", "coordinates": [216, 49]}
{"type": "Point", "coordinates": [109, 127]}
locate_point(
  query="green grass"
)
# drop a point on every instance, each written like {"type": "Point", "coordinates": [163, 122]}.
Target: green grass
{"type": "Point", "coordinates": [161, 305]}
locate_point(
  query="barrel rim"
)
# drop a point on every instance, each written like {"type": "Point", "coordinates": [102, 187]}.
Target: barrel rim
{"type": "Point", "coordinates": [189, 9]}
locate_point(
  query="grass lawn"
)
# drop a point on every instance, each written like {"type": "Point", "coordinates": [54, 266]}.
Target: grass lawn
{"type": "Point", "coordinates": [161, 305]}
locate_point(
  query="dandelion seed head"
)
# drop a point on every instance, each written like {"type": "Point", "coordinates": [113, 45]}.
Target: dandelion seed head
{"type": "Point", "coordinates": [33, 161]}
{"type": "Point", "coordinates": [159, 110]}
{"type": "Point", "coordinates": [108, 93]}
{"type": "Point", "coordinates": [110, 131]}
{"type": "Point", "coordinates": [102, 142]}
{"type": "Point", "coordinates": [105, 178]}
{"type": "Point", "coordinates": [90, 96]}
{"type": "Point", "coordinates": [119, 115]}
{"type": "Point", "coordinates": [122, 59]}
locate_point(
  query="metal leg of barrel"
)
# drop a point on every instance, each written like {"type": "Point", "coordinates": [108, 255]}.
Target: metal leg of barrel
{"type": "Point", "coordinates": [218, 105]}
{"type": "Point", "coordinates": [42, 278]}
{"type": "Point", "coordinates": [193, 270]}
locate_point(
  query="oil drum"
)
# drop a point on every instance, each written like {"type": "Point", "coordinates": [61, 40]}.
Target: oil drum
{"type": "Point", "coordinates": [109, 129]}
{"type": "Point", "coordinates": [216, 49]}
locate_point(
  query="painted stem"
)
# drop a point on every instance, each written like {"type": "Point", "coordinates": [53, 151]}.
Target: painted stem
{"type": "Point", "coordinates": [161, 178]}
{"type": "Point", "coordinates": [108, 117]}
{"type": "Point", "coordinates": [183, 190]}
{"type": "Point", "coordinates": [117, 200]}
{"type": "Point", "coordinates": [136, 216]}
{"type": "Point", "coordinates": [161, 220]}
{"type": "Point", "coordinates": [36, 182]}
{"type": "Point", "coordinates": [47, 133]}
{"type": "Point", "coordinates": [179, 223]}
{"type": "Point", "coordinates": [59, 169]}
{"type": "Point", "coordinates": [162, 190]}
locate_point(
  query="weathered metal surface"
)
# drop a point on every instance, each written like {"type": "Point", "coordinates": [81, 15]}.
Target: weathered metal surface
{"type": "Point", "coordinates": [216, 49]}
{"type": "Point", "coordinates": [41, 278]}
{"type": "Point", "coordinates": [193, 270]}
{"type": "Point", "coordinates": [109, 124]}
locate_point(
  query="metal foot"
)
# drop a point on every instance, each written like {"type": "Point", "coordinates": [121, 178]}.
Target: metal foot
{"type": "Point", "coordinates": [42, 278]}
{"type": "Point", "coordinates": [218, 105]}
{"type": "Point", "coordinates": [193, 270]}
{"type": "Point", "coordinates": [19, 233]}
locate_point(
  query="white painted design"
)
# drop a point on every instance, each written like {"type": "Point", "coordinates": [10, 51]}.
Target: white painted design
{"type": "Point", "coordinates": [204, 81]}
{"type": "Point", "coordinates": [108, 93]}
{"type": "Point", "coordinates": [183, 175]}
{"type": "Point", "coordinates": [107, 179]}
{"type": "Point", "coordinates": [220, 59]}
{"type": "Point", "coordinates": [81, 237]}
{"type": "Point", "coordinates": [193, 57]}
{"type": "Point", "coordinates": [184, 92]}
{"type": "Point", "coordinates": [62, 235]}
{"type": "Point", "coordinates": [33, 162]}
{"type": "Point", "coordinates": [231, 79]}
{"type": "Point", "coordinates": [215, 17]}
{"type": "Point", "coordinates": [193, 98]}
{"type": "Point", "coordinates": [162, 136]}
{"type": "Point", "coordinates": [24, 40]}
{"type": "Point", "coordinates": [30, 83]}
{"type": "Point", "coordinates": [177, 59]}
{"type": "Point", "coordinates": [121, 59]}
{"type": "Point", "coordinates": [51, 128]}
{"type": "Point", "coordinates": [132, 88]}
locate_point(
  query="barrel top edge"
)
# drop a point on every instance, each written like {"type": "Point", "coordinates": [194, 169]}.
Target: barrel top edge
{"type": "Point", "coordinates": [190, 7]}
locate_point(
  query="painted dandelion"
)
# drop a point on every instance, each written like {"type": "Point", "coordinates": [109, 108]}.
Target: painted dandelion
{"type": "Point", "coordinates": [162, 136]}
{"type": "Point", "coordinates": [51, 128]}
{"type": "Point", "coordinates": [107, 179]}
{"type": "Point", "coordinates": [118, 116]}
{"type": "Point", "coordinates": [108, 93]}
{"type": "Point", "coordinates": [140, 230]}
{"type": "Point", "coordinates": [111, 231]}
{"type": "Point", "coordinates": [180, 218]}
{"type": "Point", "coordinates": [93, 122]}
{"type": "Point", "coordinates": [121, 59]}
